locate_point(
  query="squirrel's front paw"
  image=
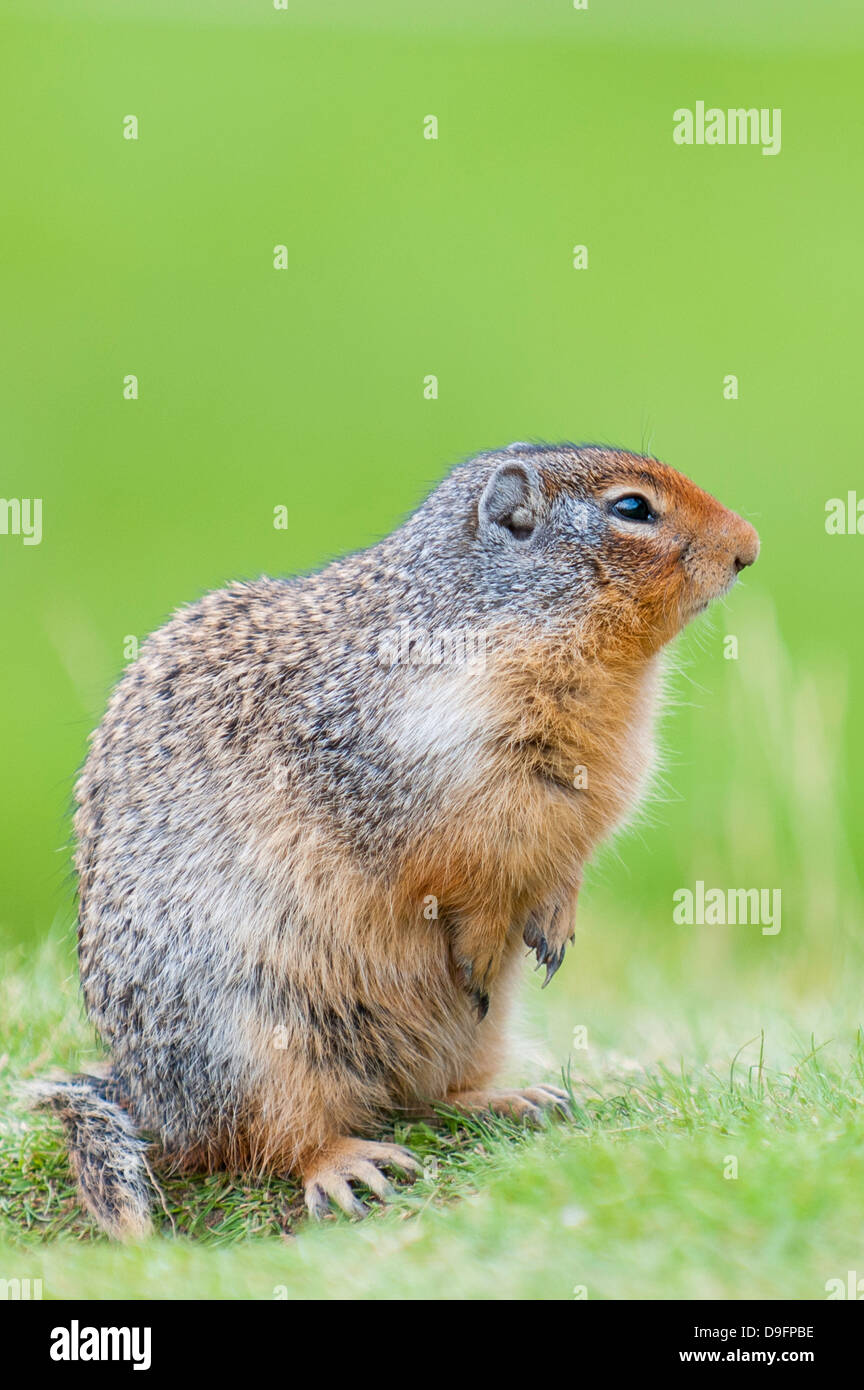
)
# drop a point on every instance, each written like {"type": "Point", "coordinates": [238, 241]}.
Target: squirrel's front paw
{"type": "Point", "coordinates": [476, 948]}
{"type": "Point", "coordinates": [328, 1177]}
{"type": "Point", "coordinates": [474, 980]}
{"type": "Point", "coordinates": [548, 931]}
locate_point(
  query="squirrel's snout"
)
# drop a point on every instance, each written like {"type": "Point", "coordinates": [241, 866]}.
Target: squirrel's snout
{"type": "Point", "coordinates": [730, 545]}
{"type": "Point", "coordinates": [746, 545]}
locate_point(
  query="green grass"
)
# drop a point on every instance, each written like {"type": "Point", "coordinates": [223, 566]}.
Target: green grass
{"type": "Point", "coordinates": [630, 1200]}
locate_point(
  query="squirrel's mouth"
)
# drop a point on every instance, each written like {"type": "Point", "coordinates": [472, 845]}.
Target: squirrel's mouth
{"type": "Point", "coordinates": [701, 604]}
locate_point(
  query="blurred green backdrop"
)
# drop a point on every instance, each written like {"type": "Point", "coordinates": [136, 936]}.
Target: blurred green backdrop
{"type": "Point", "coordinates": [408, 257]}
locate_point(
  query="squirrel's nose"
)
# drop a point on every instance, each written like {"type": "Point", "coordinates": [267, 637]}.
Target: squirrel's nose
{"type": "Point", "coordinates": [746, 543]}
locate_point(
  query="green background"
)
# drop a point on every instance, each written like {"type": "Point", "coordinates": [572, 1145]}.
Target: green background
{"type": "Point", "coordinates": [304, 387]}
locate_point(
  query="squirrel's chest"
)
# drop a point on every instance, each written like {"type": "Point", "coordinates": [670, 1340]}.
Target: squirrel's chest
{"type": "Point", "coordinates": [559, 770]}
{"type": "Point", "coordinates": [521, 778]}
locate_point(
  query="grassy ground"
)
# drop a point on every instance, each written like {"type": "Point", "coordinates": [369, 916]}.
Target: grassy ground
{"type": "Point", "coordinates": [726, 1177]}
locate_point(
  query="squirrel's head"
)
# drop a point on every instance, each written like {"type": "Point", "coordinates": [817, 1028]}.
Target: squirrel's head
{"type": "Point", "coordinates": [604, 538]}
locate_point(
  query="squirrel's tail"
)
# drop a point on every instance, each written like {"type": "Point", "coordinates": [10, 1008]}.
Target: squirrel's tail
{"type": "Point", "coordinates": [106, 1153]}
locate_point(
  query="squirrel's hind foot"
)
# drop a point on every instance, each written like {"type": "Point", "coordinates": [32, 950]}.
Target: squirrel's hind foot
{"type": "Point", "coordinates": [330, 1175]}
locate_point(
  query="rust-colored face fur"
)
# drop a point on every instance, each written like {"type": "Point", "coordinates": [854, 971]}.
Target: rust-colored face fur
{"type": "Point", "coordinates": [636, 547]}
{"type": "Point", "coordinates": [667, 569]}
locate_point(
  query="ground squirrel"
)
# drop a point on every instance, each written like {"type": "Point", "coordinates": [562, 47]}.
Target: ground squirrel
{"type": "Point", "coordinates": [315, 830]}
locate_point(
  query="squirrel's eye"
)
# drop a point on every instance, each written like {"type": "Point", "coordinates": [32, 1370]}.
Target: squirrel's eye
{"type": "Point", "coordinates": [633, 509]}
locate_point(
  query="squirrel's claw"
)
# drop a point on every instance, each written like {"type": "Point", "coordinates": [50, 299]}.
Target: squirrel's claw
{"type": "Point", "coordinates": [475, 982]}
{"type": "Point", "coordinates": [328, 1182]}
{"type": "Point", "coordinates": [533, 937]}
{"type": "Point", "coordinates": [547, 942]}
{"type": "Point", "coordinates": [552, 966]}
{"type": "Point", "coordinates": [318, 1200]}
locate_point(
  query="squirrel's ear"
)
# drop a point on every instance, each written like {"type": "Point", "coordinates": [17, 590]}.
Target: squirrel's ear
{"type": "Point", "coordinates": [512, 500]}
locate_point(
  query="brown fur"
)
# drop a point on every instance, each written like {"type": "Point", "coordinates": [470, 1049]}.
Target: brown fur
{"type": "Point", "coordinates": [267, 811]}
